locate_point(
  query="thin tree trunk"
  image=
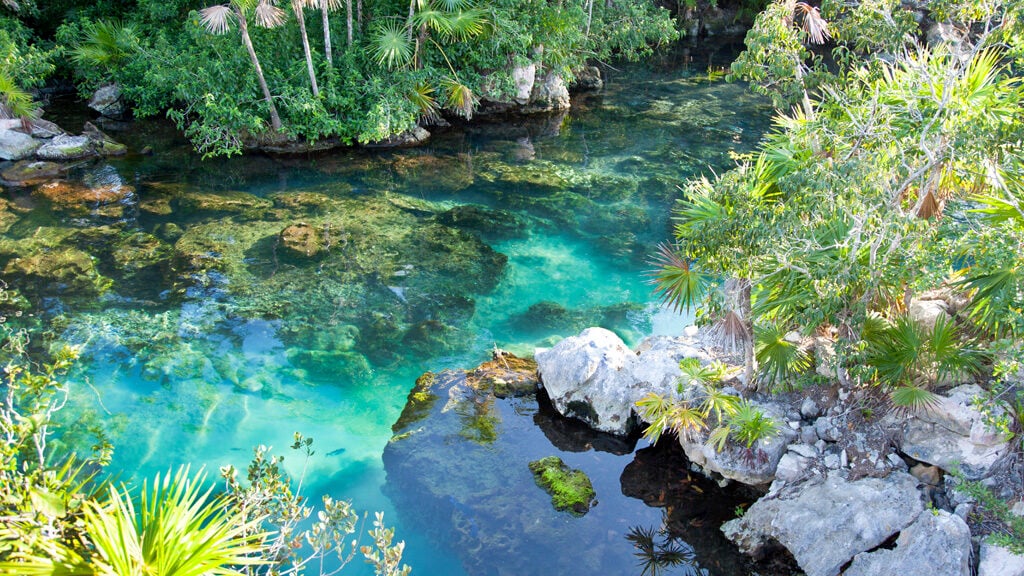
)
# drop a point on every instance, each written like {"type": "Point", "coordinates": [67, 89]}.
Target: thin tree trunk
{"type": "Point", "coordinates": [348, 19]}
{"type": "Point", "coordinates": [327, 32]}
{"type": "Point", "coordinates": [748, 324]}
{"type": "Point", "coordinates": [301, 17]}
{"type": "Point", "coordinates": [275, 120]}
{"type": "Point", "coordinates": [359, 15]}
{"type": "Point", "coordinates": [590, 15]}
{"type": "Point", "coordinates": [412, 12]}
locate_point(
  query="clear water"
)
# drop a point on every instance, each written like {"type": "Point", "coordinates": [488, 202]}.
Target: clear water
{"type": "Point", "coordinates": [211, 340]}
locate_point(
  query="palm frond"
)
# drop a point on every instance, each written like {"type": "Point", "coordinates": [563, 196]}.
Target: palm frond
{"type": "Point", "coordinates": [996, 295]}
{"type": "Point", "coordinates": [685, 421]}
{"type": "Point", "coordinates": [718, 437]}
{"type": "Point", "coordinates": [454, 5]}
{"type": "Point", "coordinates": [391, 46]}
{"type": "Point", "coordinates": [422, 95]}
{"type": "Point", "coordinates": [217, 19]}
{"type": "Point", "coordinates": [681, 285]}
{"type": "Point", "coordinates": [813, 24]}
{"type": "Point", "coordinates": [466, 24]}
{"type": "Point", "coordinates": [267, 15]}
{"type": "Point", "coordinates": [15, 102]}
{"type": "Point", "coordinates": [458, 97]}
{"type": "Point", "coordinates": [699, 210]}
{"type": "Point", "coordinates": [914, 399]}
{"type": "Point", "coordinates": [749, 424]}
{"type": "Point", "coordinates": [778, 358]}
{"type": "Point", "coordinates": [106, 43]}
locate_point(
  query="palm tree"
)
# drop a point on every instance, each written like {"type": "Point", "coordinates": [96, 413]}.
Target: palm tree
{"type": "Point", "coordinates": [217, 20]}
{"type": "Point", "coordinates": [297, 6]}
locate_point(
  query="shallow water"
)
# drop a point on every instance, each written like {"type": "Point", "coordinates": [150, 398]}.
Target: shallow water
{"type": "Point", "coordinates": [212, 339]}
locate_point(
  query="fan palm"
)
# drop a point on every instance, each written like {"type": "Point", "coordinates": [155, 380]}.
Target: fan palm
{"type": "Point", "coordinates": [178, 531]}
{"type": "Point", "coordinates": [217, 20]}
{"type": "Point", "coordinates": [15, 102]}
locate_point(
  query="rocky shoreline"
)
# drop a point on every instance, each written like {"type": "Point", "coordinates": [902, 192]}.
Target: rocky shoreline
{"type": "Point", "coordinates": [849, 486]}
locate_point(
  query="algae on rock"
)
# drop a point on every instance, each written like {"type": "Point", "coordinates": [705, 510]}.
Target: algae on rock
{"type": "Point", "coordinates": [570, 489]}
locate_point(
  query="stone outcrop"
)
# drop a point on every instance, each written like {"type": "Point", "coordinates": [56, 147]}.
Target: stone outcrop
{"type": "Point", "coordinates": [825, 525]}
{"type": "Point", "coordinates": [66, 147]}
{"type": "Point", "coordinates": [549, 94]}
{"type": "Point", "coordinates": [28, 172]}
{"type": "Point", "coordinates": [998, 561]}
{"type": "Point", "coordinates": [596, 378]}
{"type": "Point", "coordinates": [936, 543]}
{"type": "Point", "coordinates": [755, 466]}
{"type": "Point", "coordinates": [954, 434]}
{"type": "Point", "coordinates": [108, 101]}
{"type": "Point", "coordinates": [413, 137]}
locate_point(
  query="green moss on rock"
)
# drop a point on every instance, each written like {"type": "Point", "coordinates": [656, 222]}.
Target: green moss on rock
{"type": "Point", "coordinates": [570, 489]}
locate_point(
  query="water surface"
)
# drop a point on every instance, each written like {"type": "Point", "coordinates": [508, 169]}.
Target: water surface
{"type": "Point", "coordinates": [203, 335]}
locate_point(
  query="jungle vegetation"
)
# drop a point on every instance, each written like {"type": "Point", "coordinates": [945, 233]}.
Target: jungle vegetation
{"type": "Point", "coordinates": [354, 70]}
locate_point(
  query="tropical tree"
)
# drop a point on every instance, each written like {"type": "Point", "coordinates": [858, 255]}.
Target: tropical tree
{"type": "Point", "coordinates": [218, 19]}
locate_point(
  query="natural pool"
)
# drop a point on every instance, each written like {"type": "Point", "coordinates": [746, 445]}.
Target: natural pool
{"type": "Point", "coordinates": [223, 304]}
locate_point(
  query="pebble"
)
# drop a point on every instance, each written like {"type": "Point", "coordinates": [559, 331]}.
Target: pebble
{"type": "Point", "coordinates": [896, 462]}
{"type": "Point", "coordinates": [809, 409]}
{"type": "Point", "coordinates": [804, 450]}
{"type": "Point", "coordinates": [843, 395]}
{"type": "Point", "coordinates": [832, 461]}
{"type": "Point", "coordinates": [794, 425]}
{"type": "Point", "coordinates": [844, 460]}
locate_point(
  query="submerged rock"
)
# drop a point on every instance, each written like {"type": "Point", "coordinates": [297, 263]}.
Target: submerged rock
{"type": "Point", "coordinates": [107, 200]}
{"type": "Point", "coordinates": [824, 525]}
{"type": "Point", "coordinates": [570, 489]}
{"type": "Point", "coordinates": [412, 137]}
{"type": "Point", "coordinates": [29, 172]}
{"type": "Point", "coordinates": [66, 270]}
{"type": "Point", "coordinates": [302, 241]}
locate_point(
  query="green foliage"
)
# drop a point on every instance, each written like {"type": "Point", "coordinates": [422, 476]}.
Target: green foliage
{"type": "Point", "coordinates": [911, 359]}
{"type": "Point", "coordinates": [1009, 531]}
{"type": "Point", "coordinates": [177, 531]}
{"type": "Point", "coordinates": [749, 424]}
{"type": "Point", "coordinates": [780, 359]}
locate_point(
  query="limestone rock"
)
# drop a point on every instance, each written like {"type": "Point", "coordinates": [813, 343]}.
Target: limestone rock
{"type": "Point", "coordinates": [936, 543]}
{"type": "Point", "coordinates": [413, 137]}
{"type": "Point", "coordinates": [595, 377]}
{"type": "Point", "coordinates": [302, 240]}
{"type": "Point", "coordinates": [736, 462]}
{"type": "Point", "coordinates": [524, 77]}
{"type": "Point", "coordinates": [954, 433]}
{"type": "Point", "coordinates": [78, 199]}
{"type": "Point", "coordinates": [29, 172]}
{"type": "Point", "coordinates": [107, 100]}
{"type": "Point", "coordinates": [824, 525]}
{"type": "Point", "coordinates": [549, 94]}
{"type": "Point", "coordinates": [998, 561]}
{"type": "Point", "coordinates": [589, 377]}
{"type": "Point", "coordinates": [56, 272]}
{"type": "Point", "coordinates": [588, 78]}
{"type": "Point", "coordinates": [15, 145]}
{"type": "Point", "coordinates": [103, 144]}
{"type": "Point", "coordinates": [927, 312]}
{"type": "Point", "coordinates": [66, 147]}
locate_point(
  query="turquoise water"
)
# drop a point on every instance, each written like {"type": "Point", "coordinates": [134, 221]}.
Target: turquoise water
{"type": "Point", "coordinates": [203, 336]}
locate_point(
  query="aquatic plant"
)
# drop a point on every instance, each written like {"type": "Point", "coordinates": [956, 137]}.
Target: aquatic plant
{"type": "Point", "coordinates": [570, 489]}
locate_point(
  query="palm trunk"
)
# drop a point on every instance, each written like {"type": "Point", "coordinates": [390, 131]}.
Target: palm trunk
{"type": "Point", "coordinates": [301, 17]}
{"type": "Point", "coordinates": [243, 27]}
{"type": "Point", "coordinates": [412, 12]}
{"type": "Point", "coordinates": [748, 325]}
{"type": "Point", "coordinates": [327, 32]}
{"type": "Point", "coordinates": [348, 19]}
{"type": "Point", "coordinates": [359, 15]}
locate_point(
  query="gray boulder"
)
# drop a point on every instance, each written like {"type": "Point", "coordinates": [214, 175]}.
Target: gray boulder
{"type": "Point", "coordinates": [998, 561]}
{"type": "Point", "coordinates": [953, 434]}
{"type": "Point", "coordinates": [824, 525]}
{"type": "Point", "coordinates": [15, 145]}
{"type": "Point", "coordinates": [927, 312]}
{"type": "Point", "coordinates": [596, 378]}
{"type": "Point", "coordinates": [524, 77]}
{"type": "Point", "coordinates": [66, 147]}
{"type": "Point", "coordinates": [935, 543]}
{"type": "Point", "coordinates": [413, 137]}
{"type": "Point", "coordinates": [108, 101]}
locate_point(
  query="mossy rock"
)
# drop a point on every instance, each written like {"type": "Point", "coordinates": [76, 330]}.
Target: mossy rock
{"type": "Point", "coordinates": [140, 251]}
{"type": "Point", "coordinates": [29, 172]}
{"type": "Point", "coordinates": [505, 375]}
{"type": "Point", "coordinates": [418, 405]}
{"type": "Point", "coordinates": [448, 173]}
{"type": "Point", "coordinates": [231, 202]}
{"type": "Point", "coordinates": [302, 241]}
{"type": "Point", "coordinates": [66, 270]}
{"type": "Point", "coordinates": [77, 199]}
{"type": "Point", "coordinates": [308, 202]}
{"type": "Point", "coordinates": [570, 490]}
{"type": "Point", "coordinates": [350, 366]}
{"type": "Point", "coordinates": [430, 338]}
